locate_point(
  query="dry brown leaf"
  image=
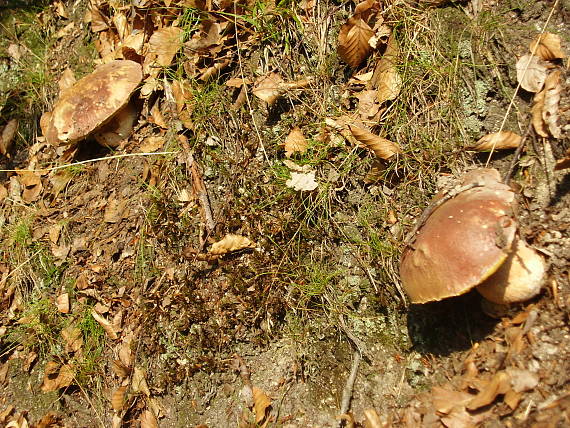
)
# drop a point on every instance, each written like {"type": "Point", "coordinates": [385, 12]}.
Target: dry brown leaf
{"type": "Point", "coordinates": [386, 78]}
{"type": "Point", "coordinates": [295, 142]}
{"type": "Point", "coordinates": [62, 302]}
{"type": "Point", "coordinates": [237, 82]}
{"type": "Point", "coordinates": [120, 369]}
{"type": "Point", "coordinates": [372, 419]}
{"type": "Point", "coordinates": [552, 91]}
{"type": "Point", "coordinates": [29, 361]}
{"type": "Point", "coordinates": [445, 400]}
{"type": "Point", "coordinates": [107, 326]}
{"type": "Point", "coordinates": [268, 88]}
{"type": "Point", "coordinates": [210, 35]}
{"type": "Point", "coordinates": [148, 420]}
{"type": "Point", "coordinates": [522, 380]}
{"type": "Point", "coordinates": [549, 47]}
{"type": "Point", "coordinates": [230, 243]}
{"type": "Point", "coordinates": [261, 403]}
{"type": "Point", "coordinates": [502, 140]}
{"type": "Point", "coordinates": [499, 384]}
{"type": "Point", "coordinates": [302, 181]}
{"type": "Point", "coordinates": [353, 47]}
{"type": "Point", "coordinates": [7, 135]}
{"type": "Point", "coordinates": [531, 73]}
{"type": "Point", "coordinates": [32, 184]}
{"type": "Point", "coordinates": [57, 376]}
{"type": "Point", "coordinates": [563, 163]}
{"type": "Point", "coordinates": [536, 111]}
{"type": "Point", "coordinates": [368, 105]}
{"type": "Point", "coordinates": [139, 383]}
{"type": "Point", "coordinates": [165, 43]}
{"type": "Point", "coordinates": [118, 398]}
{"type": "Point", "coordinates": [115, 210]}
{"type": "Point", "coordinates": [73, 338]}
{"type": "Point", "coordinates": [382, 148]}
{"type": "Point", "coordinates": [375, 173]}
{"type": "Point", "coordinates": [152, 144]}
{"type": "Point", "coordinates": [157, 117]}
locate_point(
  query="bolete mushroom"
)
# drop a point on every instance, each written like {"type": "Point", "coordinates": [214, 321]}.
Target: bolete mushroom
{"type": "Point", "coordinates": [470, 240]}
{"type": "Point", "coordinates": [92, 102]}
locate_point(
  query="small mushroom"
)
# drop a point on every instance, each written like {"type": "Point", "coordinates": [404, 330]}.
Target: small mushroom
{"type": "Point", "coordinates": [465, 241]}
{"type": "Point", "coordinates": [92, 102]}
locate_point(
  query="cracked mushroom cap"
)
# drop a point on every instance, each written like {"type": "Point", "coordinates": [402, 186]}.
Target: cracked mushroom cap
{"type": "Point", "coordinates": [463, 242]}
{"type": "Point", "coordinates": [91, 102]}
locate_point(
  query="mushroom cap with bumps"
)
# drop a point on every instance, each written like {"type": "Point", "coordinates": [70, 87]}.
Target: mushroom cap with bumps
{"type": "Point", "coordinates": [463, 242]}
{"type": "Point", "coordinates": [91, 102]}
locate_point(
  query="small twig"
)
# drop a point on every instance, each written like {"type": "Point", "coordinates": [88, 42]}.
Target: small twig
{"type": "Point", "coordinates": [349, 386]}
{"type": "Point", "coordinates": [201, 192]}
{"type": "Point", "coordinates": [411, 237]}
{"type": "Point", "coordinates": [53, 168]}
{"type": "Point", "coordinates": [516, 155]}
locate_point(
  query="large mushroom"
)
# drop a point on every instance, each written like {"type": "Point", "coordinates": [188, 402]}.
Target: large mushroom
{"type": "Point", "coordinates": [470, 241]}
{"type": "Point", "coordinates": [96, 104]}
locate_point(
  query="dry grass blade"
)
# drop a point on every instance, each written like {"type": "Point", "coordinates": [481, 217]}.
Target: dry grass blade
{"type": "Point", "coordinates": [502, 140]}
{"type": "Point", "coordinates": [353, 39]}
{"type": "Point", "coordinates": [382, 148]}
{"type": "Point", "coordinates": [548, 47]}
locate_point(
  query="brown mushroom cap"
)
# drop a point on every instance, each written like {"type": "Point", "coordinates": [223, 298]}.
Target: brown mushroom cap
{"type": "Point", "coordinates": [463, 242]}
{"type": "Point", "coordinates": [91, 102]}
{"type": "Point", "coordinates": [518, 279]}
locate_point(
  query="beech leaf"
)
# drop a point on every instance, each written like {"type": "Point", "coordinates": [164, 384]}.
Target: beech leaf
{"type": "Point", "coordinates": [548, 47]}
{"type": "Point", "coordinates": [382, 148]}
{"type": "Point", "coordinates": [107, 326]}
{"type": "Point", "coordinates": [148, 420]}
{"type": "Point", "coordinates": [261, 403]}
{"type": "Point", "coordinates": [536, 112]}
{"type": "Point", "coordinates": [531, 73]}
{"type": "Point", "coordinates": [302, 181]}
{"type": "Point", "coordinates": [57, 376]}
{"type": "Point", "coordinates": [165, 43]}
{"type": "Point", "coordinates": [552, 91]}
{"type": "Point", "coordinates": [7, 135]}
{"type": "Point", "coordinates": [231, 243]}
{"type": "Point", "coordinates": [502, 140]}
{"type": "Point", "coordinates": [353, 47]}
{"type": "Point", "coordinates": [295, 142]}
{"type": "Point", "coordinates": [118, 398]}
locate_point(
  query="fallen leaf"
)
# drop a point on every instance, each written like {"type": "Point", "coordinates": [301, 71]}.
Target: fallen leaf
{"type": "Point", "coordinates": [152, 144]}
{"type": "Point", "coordinates": [536, 112]}
{"type": "Point", "coordinates": [353, 47]}
{"type": "Point", "coordinates": [268, 88]}
{"type": "Point", "coordinates": [382, 148]}
{"type": "Point", "coordinates": [32, 184]}
{"type": "Point", "coordinates": [118, 398]}
{"type": "Point", "coordinates": [295, 142]}
{"type": "Point", "coordinates": [66, 80]}
{"type": "Point", "coordinates": [531, 73]}
{"type": "Point", "coordinates": [386, 78]}
{"type": "Point", "coordinates": [522, 380]}
{"type": "Point", "coordinates": [107, 326]}
{"type": "Point", "coordinates": [261, 403]}
{"type": "Point", "coordinates": [230, 243]}
{"type": "Point", "coordinates": [62, 302]}
{"type": "Point", "coordinates": [499, 384]}
{"type": "Point", "coordinates": [563, 163]}
{"type": "Point", "coordinates": [210, 34]}
{"type": "Point", "coordinates": [120, 369]}
{"type": "Point", "coordinates": [372, 419]}
{"type": "Point", "coordinates": [552, 91]}
{"type": "Point", "coordinates": [57, 376]}
{"type": "Point", "coordinates": [302, 181]}
{"type": "Point", "coordinates": [73, 338]}
{"type": "Point", "coordinates": [115, 210]}
{"type": "Point", "coordinates": [444, 399]}
{"type": "Point", "coordinates": [368, 105]}
{"type": "Point", "coordinates": [7, 135]}
{"type": "Point", "coordinates": [148, 420]}
{"type": "Point", "coordinates": [237, 82]}
{"type": "Point", "coordinates": [165, 43]}
{"type": "Point", "coordinates": [139, 383]}
{"type": "Point", "coordinates": [502, 140]}
{"type": "Point", "coordinates": [548, 47]}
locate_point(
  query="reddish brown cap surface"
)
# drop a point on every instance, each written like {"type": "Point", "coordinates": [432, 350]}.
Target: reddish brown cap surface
{"type": "Point", "coordinates": [91, 102]}
{"type": "Point", "coordinates": [462, 243]}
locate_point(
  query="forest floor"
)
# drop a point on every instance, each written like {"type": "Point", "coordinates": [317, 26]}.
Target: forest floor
{"type": "Point", "coordinates": [115, 309]}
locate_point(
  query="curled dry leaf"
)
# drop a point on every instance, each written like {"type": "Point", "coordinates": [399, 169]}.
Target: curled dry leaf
{"type": "Point", "coordinates": [548, 47]}
{"type": "Point", "coordinates": [499, 384]}
{"type": "Point", "coordinates": [107, 326]}
{"type": "Point", "coordinates": [62, 302]}
{"type": "Point", "coordinates": [118, 398]}
{"type": "Point", "coordinates": [295, 142]}
{"type": "Point", "coordinates": [502, 140]}
{"type": "Point", "coordinates": [57, 376]}
{"type": "Point", "coordinates": [165, 43]}
{"type": "Point", "coordinates": [66, 80]}
{"type": "Point", "coordinates": [32, 185]}
{"type": "Point", "coordinates": [73, 338]}
{"type": "Point", "coordinates": [261, 403]}
{"type": "Point", "coordinates": [7, 135]}
{"type": "Point", "coordinates": [148, 420]}
{"type": "Point", "coordinates": [382, 148]}
{"type": "Point", "coordinates": [531, 73]}
{"type": "Point", "coordinates": [536, 112]}
{"type": "Point", "coordinates": [268, 88]}
{"type": "Point", "coordinates": [230, 243]}
{"type": "Point", "coordinates": [353, 47]}
{"type": "Point", "coordinates": [386, 78]}
{"type": "Point", "coordinates": [302, 181]}
{"type": "Point", "coordinates": [139, 383]}
{"type": "Point", "coordinates": [550, 113]}
{"type": "Point", "coordinates": [563, 163]}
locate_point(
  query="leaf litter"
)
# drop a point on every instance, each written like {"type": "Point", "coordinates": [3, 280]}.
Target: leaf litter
{"type": "Point", "coordinates": [110, 235]}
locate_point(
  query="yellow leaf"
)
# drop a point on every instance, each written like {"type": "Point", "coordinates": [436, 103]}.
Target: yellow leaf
{"type": "Point", "coordinates": [139, 382]}
{"type": "Point", "coordinates": [381, 147]}
{"type": "Point", "coordinates": [118, 398]}
{"type": "Point", "coordinates": [295, 142]}
{"type": "Point", "coordinates": [548, 47]}
{"type": "Point", "coordinates": [231, 243]}
{"type": "Point", "coordinates": [353, 47]}
{"type": "Point", "coordinates": [498, 141]}
{"type": "Point", "coordinates": [261, 403]}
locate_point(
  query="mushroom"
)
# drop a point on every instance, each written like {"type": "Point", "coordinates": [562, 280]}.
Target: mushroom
{"type": "Point", "coordinates": [92, 102]}
{"type": "Point", "coordinates": [468, 241]}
